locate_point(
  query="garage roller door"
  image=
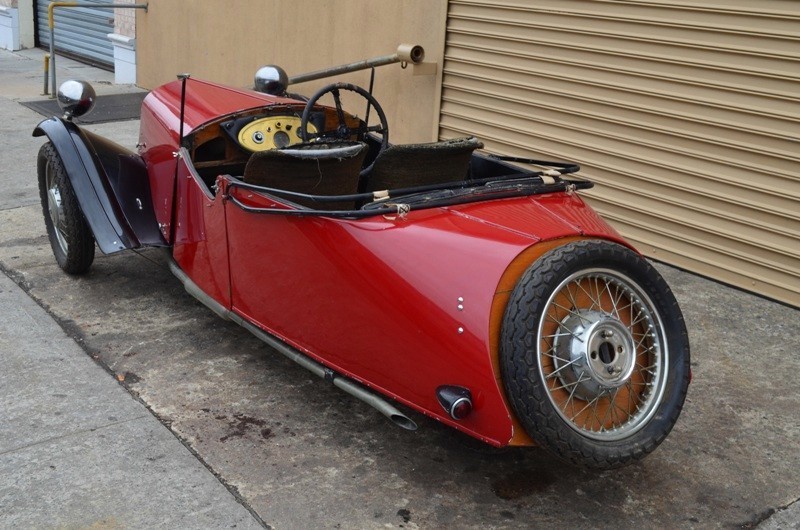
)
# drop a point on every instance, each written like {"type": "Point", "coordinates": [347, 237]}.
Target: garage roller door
{"type": "Point", "coordinates": [685, 114]}
{"type": "Point", "coordinates": [80, 31]}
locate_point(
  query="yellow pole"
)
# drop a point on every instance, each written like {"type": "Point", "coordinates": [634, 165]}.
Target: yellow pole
{"type": "Point", "coordinates": [53, 5]}
{"type": "Point", "coordinates": [46, 71]}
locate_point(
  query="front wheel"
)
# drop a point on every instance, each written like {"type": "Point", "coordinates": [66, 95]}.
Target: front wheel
{"type": "Point", "coordinates": [70, 236]}
{"type": "Point", "coordinates": [595, 354]}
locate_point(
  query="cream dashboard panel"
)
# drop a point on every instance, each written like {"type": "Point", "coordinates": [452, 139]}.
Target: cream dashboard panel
{"type": "Point", "coordinates": [272, 132]}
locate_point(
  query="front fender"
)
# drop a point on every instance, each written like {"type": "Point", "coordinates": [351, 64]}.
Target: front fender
{"type": "Point", "coordinates": [111, 186]}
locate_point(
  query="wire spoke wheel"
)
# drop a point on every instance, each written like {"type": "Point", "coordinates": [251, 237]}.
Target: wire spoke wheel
{"type": "Point", "coordinates": [594, 354]}
{"type": "Point", "coordinates": [70, 236]}
{"type": "Point", "coordinates": [55, 208]}
{"type": "Point", "coordinates": [602, 354]}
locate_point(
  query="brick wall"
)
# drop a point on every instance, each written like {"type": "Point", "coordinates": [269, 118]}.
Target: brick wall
{"type": "Point", "coordinates": [124, 19]}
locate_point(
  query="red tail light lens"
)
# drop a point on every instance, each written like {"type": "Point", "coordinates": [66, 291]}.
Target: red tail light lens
{"type": "Point", "coordinates": [455, 400]}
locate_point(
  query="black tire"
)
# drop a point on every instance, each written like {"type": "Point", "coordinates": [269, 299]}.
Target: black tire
{"type": "Point", "coordinates": [595, 354]}
{"type": "Point", "coordinates": [70, 236]}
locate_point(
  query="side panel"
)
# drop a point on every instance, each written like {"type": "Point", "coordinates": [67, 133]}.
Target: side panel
{"type": "Point", "coordinates": [201, 248]}
{"type": "Point", "coordinates": [127, 178]}
{"type": "Point", "coordinates": [158, 141]}
{"type": "Point", "coordinates": [402, 306]}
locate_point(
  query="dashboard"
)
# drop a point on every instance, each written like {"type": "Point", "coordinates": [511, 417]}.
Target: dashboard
{"type": "Point", "coordinates": [255, 133]}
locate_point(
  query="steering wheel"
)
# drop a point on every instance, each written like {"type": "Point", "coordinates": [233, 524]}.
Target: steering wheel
{"type": "Point", "coordinates": [342, 130]}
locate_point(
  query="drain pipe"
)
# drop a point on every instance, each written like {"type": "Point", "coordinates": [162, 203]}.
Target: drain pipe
{"type": "Point", "coordinates": [52, 24]}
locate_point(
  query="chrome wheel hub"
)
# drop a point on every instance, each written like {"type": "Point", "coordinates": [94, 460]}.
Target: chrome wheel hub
{"type": "Point", "coordinates": [595, 354]}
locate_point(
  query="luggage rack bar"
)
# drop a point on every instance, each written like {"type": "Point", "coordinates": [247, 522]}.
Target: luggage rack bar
{"type": "Point", "coordinates": [404, 200]}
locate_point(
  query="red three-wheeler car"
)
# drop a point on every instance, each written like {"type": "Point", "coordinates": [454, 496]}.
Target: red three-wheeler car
{"type": "Point", "coordinates": [477, 289]}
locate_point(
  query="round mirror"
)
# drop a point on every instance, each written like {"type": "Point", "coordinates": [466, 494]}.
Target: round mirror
{"type": "Point", "coordinates": [272, 80]}
{"type": "Point", "coordinates": [76, 98]}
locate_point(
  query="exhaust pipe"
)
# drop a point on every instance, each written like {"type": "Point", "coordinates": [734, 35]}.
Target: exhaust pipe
{"type": "Point", "coordinates": [351, 387]}
{"type": "Point", "coordinates": [376, 402]}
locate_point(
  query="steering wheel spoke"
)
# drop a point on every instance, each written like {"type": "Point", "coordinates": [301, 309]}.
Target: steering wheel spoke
{"type": "Point", "coordinates": [344, 131]}
{"type": "Point", "coordinates": [375, 128]}
{"type": "Point", "coordinates": [337, 101]}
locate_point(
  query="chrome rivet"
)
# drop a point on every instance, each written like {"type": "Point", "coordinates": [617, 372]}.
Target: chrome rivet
{"type": "Point", "coordinates": [460, 330]}
{"type": "Point", "coordinates": [460, 307]}
{"type": "Point", "coordinates": [460, 298]}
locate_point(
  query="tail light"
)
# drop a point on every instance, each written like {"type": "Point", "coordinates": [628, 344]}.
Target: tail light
{"type": "Point", "coordinates": [455, 400]}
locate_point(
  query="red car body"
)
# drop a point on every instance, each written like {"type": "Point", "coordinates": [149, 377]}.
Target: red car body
{"type": "Point", "coordinates": [402, 304]}
{"type": "Point", "coordinates": [391, 276]}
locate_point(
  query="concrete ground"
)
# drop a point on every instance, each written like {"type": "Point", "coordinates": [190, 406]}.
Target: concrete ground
{"type": "Point", "coordinates": [125, 403]}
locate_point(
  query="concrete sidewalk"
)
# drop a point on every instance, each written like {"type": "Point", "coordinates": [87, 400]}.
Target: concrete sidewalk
{"type": "Point", "coordinates": [76, 449]}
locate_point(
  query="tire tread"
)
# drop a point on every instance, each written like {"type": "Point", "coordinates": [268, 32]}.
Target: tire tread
{"type": "Point", "coordinates": [519, 365]}
{"type": "Point", "coordinates": [80, 240]}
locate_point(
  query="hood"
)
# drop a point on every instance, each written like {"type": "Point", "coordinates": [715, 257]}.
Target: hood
{"type": "Point", "coordinates": [205, 101]}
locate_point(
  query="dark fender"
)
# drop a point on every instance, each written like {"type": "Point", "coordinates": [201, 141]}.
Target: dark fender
{"type": "Point", "coordinates": [111, 185]}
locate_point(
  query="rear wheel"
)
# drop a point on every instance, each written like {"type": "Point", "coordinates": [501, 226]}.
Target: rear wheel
{"type": "Point", "coordinates": [70, 236]}
{"type": "Point", "coordinates": [595, 354]}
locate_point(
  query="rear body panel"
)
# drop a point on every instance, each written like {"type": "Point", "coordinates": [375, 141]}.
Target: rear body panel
{"type": "Point", "coordinates": [400, 305]}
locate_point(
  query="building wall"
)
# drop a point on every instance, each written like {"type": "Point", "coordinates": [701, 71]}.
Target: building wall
{"type": "Point", "coordinates": [125, 20]}
{"type": "Point", "coordinates": [228, 41]}
{"type": "Point", "coordinates": [124, 41]}
{"type": "Point", "coordinates": [9, 25]}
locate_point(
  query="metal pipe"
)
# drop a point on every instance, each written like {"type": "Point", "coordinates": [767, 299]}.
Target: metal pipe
{"type": "Point", "coordinates": [378, 403]}
{"type": "Point", "coordinates": [406, 53]}
{"type": "Point", "coordinates": [352, 388]}
{"type": "Point", "coordinates": [355, 390]}
{"type": "Point", "coordinates": [183, 78]}
{"type": "Point", "coordinates": [52, 24]}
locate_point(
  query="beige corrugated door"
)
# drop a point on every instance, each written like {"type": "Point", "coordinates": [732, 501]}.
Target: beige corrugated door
{"type": "Point", "coordinates": [685, 115]}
